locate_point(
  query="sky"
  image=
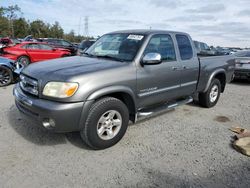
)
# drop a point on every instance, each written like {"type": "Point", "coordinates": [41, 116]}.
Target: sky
{"type": "Point", "coordinates": [216, 22]}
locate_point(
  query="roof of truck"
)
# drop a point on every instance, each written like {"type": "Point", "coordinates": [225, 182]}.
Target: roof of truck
{"type": "Point", "coordinates": [148, 31]}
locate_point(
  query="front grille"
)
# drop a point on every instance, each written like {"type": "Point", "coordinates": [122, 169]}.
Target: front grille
{"type": "Point", "coordinates": [29, 85]}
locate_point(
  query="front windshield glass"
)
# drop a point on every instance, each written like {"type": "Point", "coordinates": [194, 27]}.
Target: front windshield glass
{"type": "Point", "coordinates": [120, 46]}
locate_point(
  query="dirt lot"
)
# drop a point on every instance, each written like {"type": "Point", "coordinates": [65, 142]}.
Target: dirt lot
{"type": "Point", "coordinates": [187, 147]}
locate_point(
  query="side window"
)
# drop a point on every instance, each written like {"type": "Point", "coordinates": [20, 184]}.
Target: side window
{"type": "Point", "coordinates": [65, 43]}
{"type": "Point", "coordinates": [45, 47]}
{"type": "Point", "coordinates": [162, 44]}
{"type": "Point", "coordinates": [24, 46]}
{"type": "Point", "coordinates": [185, 47]}
{"type": "Point", "coordinates": [33, 46]}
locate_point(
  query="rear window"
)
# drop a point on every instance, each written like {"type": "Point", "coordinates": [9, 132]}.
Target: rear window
{"type": "Point", "coordinates": [185, 47]}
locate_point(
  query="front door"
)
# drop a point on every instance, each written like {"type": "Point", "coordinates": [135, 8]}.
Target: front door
{"type": "Point", "coordinates": [159, 83]}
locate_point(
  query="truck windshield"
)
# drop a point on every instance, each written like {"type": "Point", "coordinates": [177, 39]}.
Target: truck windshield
{"type": "Point", "coordinates": [119, 46]}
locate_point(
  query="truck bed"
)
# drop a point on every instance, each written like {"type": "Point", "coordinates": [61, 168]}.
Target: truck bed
{"type": "Point", "coordinates": [210, 64]}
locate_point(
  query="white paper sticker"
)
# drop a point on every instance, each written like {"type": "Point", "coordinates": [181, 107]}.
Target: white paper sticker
{"type": "Point", "coordinates": [135, 37]}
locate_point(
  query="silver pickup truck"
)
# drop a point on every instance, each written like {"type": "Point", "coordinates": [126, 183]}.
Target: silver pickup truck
{"type": "Point", "coordinates": [123, 76]}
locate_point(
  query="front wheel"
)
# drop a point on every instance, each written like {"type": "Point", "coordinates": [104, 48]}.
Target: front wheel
{"type": "Point", "coordinates": [6, 76]}
{"type": "Point", "coordinates": [212, 95]}
{"type": "Point", "coordinates": [106, 124]}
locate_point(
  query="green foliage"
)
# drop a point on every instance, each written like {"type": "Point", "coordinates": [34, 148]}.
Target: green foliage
{"type": "Point", "coordinates": [39, 29]}
{"type": "Point", "coordinates": [21, 28]}
{"type": "Point", "coordinates": [12, 24]}
{"type": "Point", "coordinates": [56, 31]}
{"type": "Point", "coordinates": [4, 25]}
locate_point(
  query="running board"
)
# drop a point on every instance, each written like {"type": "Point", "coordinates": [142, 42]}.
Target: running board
{"type": "Point", "coordinates": [164, 107]}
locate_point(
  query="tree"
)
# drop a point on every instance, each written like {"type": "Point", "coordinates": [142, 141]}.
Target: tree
{"type": "Point", "coordinates": [70, 36]}
{"type": "Point", "coordinates": [21, 28]}
{"type": "Point", "coordinates": [56, 31]}
{"type": "Point", "coordinates": [4, 31]}
{"type": "Point", "coordinates": [12, 24]}
{"type": "Point", "coordinates": [39, 29]}
{"type": "Point", "coordinates": [11, 13]}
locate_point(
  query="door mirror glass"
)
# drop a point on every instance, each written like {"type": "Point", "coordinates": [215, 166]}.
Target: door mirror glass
{"type": "Point", "coordinates": [151, 59]}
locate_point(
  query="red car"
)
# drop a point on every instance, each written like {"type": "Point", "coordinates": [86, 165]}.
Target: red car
{"type": "Point", "coordinates": [30, 52]}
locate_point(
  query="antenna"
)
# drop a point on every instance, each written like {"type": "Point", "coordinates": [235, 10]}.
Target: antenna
{"type": "Point", "coordinates": [86, 26]}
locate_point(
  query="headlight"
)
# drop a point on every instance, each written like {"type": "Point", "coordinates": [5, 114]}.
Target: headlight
{"type": "Point", "coordinates": [60, 89]}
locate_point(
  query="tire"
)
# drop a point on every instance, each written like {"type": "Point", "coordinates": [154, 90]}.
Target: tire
{"type": "Point", "coordinates": [212, 95]}
{"type": "Point", "coordinates": [100, 119]}
{"type": "Point", "coordinates": [6, 76]}
{"type": "Point", "coordinates": [24, 60]}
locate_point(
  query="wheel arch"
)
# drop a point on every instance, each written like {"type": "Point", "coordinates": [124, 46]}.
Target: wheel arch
{"type": "Point", "coordinates": [219, 74]}
{"type": "Point", "coordinates": [8, 65]}
{"type": "Point", "coordinates": [25, 55]}
{"type": "Point", "coordinates": [122, 93]}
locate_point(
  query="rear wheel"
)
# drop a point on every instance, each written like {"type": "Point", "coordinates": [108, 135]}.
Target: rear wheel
{"type": "Point", "coordinates": [6, 76]}
{"type": "Point", "coordinates": [212, 95]}
{"type": "Point", "coordinates": [24, 61]}
{"type": "Point", "coordinates": [106, 124]}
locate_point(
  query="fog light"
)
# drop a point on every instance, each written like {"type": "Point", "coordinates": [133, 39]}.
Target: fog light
{"type": "Point", "coordinates": [49, 123]}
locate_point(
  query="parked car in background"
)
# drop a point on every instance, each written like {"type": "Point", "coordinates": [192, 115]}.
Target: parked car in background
{"type": "Point", "coordinates": [84, 45]}
{"type": "Point", "coordinates": [9, 71]}
{"type": "Point", "coordinates": [29, 38]}
{"type": "Point", "coordinates": [122, 76]}
{"type": "Point", "coordinates": [222, 51]}
{"type": "Point", "coordinates": [30, 52]}
{"type": "Point", "coordinates": [6, 41]}
{"type": "Point", "coordinates": [60, 43]}
{"type": "Point", "coordinates": [203, 49]}
{"type": "Point", "coordinates": [242, 65]}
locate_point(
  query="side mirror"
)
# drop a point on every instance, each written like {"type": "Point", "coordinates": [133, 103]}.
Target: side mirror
{"type": "Point", "coordinates": [151, 59]}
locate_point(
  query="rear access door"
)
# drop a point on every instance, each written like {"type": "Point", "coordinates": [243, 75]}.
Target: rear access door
{"type": "Point", "coordinates": [189, 64]}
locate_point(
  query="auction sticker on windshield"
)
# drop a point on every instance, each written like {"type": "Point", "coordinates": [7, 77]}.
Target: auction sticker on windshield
{"type": "Point", "coordinates": [135, 37]}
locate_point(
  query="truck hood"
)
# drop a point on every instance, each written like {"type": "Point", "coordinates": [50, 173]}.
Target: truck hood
{"type": "Point", "coordinates": [66, 68]}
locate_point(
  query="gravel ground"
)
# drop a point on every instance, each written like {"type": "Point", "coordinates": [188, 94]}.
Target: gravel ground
{"type": "Point", "coordinates": [186, 147]}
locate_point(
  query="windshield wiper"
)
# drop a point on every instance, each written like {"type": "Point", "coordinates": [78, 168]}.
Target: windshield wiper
{"type": "Point", "coordinates": [109, 57]}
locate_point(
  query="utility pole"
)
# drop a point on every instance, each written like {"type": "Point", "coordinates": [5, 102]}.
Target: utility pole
{"type": "Point", "coordinates": [86, 26]}
{"type": "Point", "coordinates": [79, 26]}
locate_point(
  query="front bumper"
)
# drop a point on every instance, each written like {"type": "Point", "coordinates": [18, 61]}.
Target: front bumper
{"type": "Point", "coordinates": [63, 117]}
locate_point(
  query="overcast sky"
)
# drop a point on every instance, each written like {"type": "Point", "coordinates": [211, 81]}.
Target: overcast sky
{"type": "Point", "coordinates": [217, 22]}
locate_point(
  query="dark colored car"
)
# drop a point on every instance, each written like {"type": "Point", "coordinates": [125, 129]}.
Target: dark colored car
{"type": "Point", "coordinates": [9, 71]}
{"type": "Point", "coordinates": [242, 65]}
{"type": "Point", "coordinates": [84, 45]}
{"type": "Point", "coordinates": [123, 76]}
{"type": "Point", "coordinates": [30, 52]}
{"type": "Point", "coordinates": [203, 49]}
{"type": "Point", "coordinates": [60, 43]}
{"type": "Point", "coordinates": [6, 41]}
{"type": "Point", "coordinates": [29, 38]}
